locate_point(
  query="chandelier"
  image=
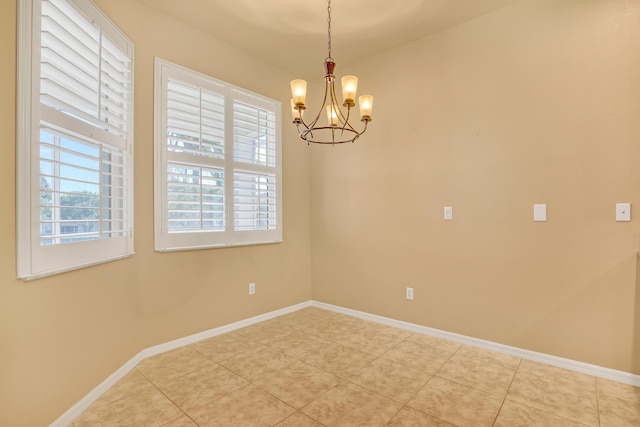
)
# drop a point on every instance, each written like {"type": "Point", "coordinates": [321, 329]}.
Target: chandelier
{"type": "Point", "coordinates": [338, 129]}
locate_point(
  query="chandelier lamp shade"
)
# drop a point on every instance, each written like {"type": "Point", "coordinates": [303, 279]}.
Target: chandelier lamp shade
{"type": "Point", "coordinates": [338, 129]}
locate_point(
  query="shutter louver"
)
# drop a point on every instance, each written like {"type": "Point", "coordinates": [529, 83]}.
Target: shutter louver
{"type": "Point", "coordinates": [254, 201]}
{"type": "Point", "coordinates": [254, 135]}
{"type": "Point", "coordinates": [83, 74]}
{"type": "Point", "coordinates": [195, 120]}
{"type": "Point", "coordinates": [195, 198]}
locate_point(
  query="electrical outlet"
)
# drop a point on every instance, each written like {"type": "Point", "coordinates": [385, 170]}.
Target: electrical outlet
{"type": "Point", "coordinates": [252, 288]}
{"type": "Point", "coordinates": [409, 294]}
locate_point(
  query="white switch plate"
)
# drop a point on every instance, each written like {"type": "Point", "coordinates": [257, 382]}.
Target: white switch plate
{"type": "Point", "coordinates": [409, 294]}
{"type": "Point", "coordinates": [623, 211]}
{"type": "Point", "coordinates": [448, 213]}
{"type": "Point", "coordinates": [540, 212]}
{"type": "Point", "coordinates": [252, 288]}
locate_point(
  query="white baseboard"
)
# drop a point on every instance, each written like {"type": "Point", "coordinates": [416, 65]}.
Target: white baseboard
{"type": "Point", "coordinates": [572, 365]}
{"type": "Point", "coordinates": [76, 410]}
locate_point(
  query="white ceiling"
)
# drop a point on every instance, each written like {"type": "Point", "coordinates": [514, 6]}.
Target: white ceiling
{"type": "Point", "coordinates": [292, 34]}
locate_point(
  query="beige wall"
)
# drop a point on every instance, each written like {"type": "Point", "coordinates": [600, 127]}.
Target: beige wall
{"type": "Point", "coordinates": [61, 336]}
{"type": "Point", "coordinates": [535, 103]}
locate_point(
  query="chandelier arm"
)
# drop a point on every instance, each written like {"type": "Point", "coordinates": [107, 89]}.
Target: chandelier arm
{"type": "Point", "coordinates": [327, 89]}
{"type": "Point", "coordinates": [341, 117]}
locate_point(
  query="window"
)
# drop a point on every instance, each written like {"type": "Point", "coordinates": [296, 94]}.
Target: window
{"type": "Point", "coordinates": [217, 163]}
{"type": "Point", "coordinates": [74, 138]}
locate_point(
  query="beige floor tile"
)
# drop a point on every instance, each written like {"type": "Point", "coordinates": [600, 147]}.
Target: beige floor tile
{"type": "Point", "coordinates": [225, 346]}
{"type": "Point", "coordinates": [339, 360]}
{"type": "Point", "coordinates": [373, 346]}
{"type": "Point", "coordinates": [298, 383]}
{"type": "Point", "coordinates": [133, 383]}
{"type": "Point", "coordinates": [200, 387]}
{"type": "Point", "coordinates": [315, 313]}
{"type": "Point", "coordinates": [409, 417]}
{"type": "Point", "coordinates": [489, 356]}
{"type": "Point", "coordinates": [433, 342]}
{"type": "Point", "coordinates": [171, 364]}
{"type": "Point", "coordinates": [248, 406]}
{"type": "Point", "coordinates": [331, 330]}
{"type": "Point", "coordinates": [144, 409]}
{"type": "Point", "coordinates": [514, 414]}
{"type": "Point", "coordinates": [390, 379]}
{"type": "Point", "coordinates": [350, 321]}
{"type": "Point", "coordinates": [257, 363]}
{"type": "Point", "coordinates": [563, 376]}
{"type": "Point", "coordinates": [266, 331]}
{"type": "Point", "coordinates": [369, 343]}
{"type": "Point", "coordinates": [456, 403]}
{"type": "Point", "coordinates": [299, 420]}
{"type": "Point", "coordinates": [418, 357]}
{"type": "Point", "coordinates": [619, 390]}
{"type": "Point", "coordinates": [617, 412]}
{"type": "Point", "coordinates": [384, 332]}
{"type": "Point", "coordinates": [183, 421]}
{"type": "Point", "coordinates": [351, 405]}
{"type": "Point", "coordinates": [299, 344]}
{"type": "Point", "coordinates": [298, 320]}
{"type": "Point", "coordinates": [478, 374]}
{"type": "Point", "coordinates": [556, 394]}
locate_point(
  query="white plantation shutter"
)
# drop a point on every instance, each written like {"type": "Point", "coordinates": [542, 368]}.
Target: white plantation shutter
{"type": "Point", "coordinates": [254, 201]}
{"type": "Point", "coordinates": [255, 154]}
{"type": "Point", "coordinates": [83, 74]}
{"type": "Point", "coordinates": [195, 120]}
{"type": "Point", "coordinates": [217, 163]}
{"type": "Point", "coordinates": [195, 197]}
{"type": "Point", "coordinates": [254, 135]}
{"type": "Point", "coordinates": [75, 141]}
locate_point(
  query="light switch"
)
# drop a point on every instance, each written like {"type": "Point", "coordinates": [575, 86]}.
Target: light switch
{"type": "Point", "coordinates": [540, 212]}
{"type": "Point", "coordinates": [448, 213]}
{"type": "Point", "coordinates": [623, 211]}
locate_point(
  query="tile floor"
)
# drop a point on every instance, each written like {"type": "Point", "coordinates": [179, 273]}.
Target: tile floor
{"type": "Point", "coordinates": [315, 367]}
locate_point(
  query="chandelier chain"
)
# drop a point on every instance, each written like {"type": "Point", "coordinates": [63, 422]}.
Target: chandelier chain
{"type": "Point", "coordinates": [329, 28]}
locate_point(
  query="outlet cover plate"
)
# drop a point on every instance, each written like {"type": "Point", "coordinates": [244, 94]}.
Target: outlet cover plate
{"type": "Point", "coordinates": [623, 211]}
{"type": "Point", "coordinates": [540, 212]}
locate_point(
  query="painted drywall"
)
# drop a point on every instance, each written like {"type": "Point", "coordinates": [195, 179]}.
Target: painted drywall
{"type": "Point", "coordinates": [538, 102]}
{"type": "Point", "coordinates": [62, 336]}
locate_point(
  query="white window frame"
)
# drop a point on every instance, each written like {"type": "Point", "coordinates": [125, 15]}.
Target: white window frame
{"type": "Point", "coordinates": [35, 260]}
{"type": "Point", "coordinates": [202, 239]}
